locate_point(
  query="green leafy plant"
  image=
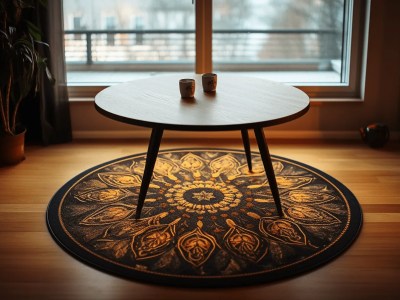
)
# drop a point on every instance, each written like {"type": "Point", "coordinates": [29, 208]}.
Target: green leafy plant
{"type": "Point", "coordinates": [22, 61]}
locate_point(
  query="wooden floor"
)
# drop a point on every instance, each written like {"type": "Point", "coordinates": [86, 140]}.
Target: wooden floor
{"type": "Point", "coordinates": [33, 266]}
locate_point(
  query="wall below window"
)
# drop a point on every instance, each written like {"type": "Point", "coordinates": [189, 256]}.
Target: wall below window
{"type": "Point", "coordinates": [325, 119]}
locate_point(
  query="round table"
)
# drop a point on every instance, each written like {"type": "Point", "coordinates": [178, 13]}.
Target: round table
{"type": "Point", "coordinates": [240, 103]}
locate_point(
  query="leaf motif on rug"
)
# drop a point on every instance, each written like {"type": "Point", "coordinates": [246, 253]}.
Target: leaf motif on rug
{"type": "Point", "coordinates": [309, 197]}
{"type": "Point", "coordinates": [283, 230]}
{"type": "Point", "coordinates": [104, 195]}
{"type": "Point", "coordinates": [108, 215]}
{"type": "Point", "coordinates": [121, 180]}
{"type": "Point", "coordinates": [226, 165]}
{"type": "Point", "coordinates": [193, 163]}
{"type": "Point", "coordinates": [153, 240]}
{"type": "Point", "coordinates": [245, 243]}
{"type": "Point", "coordinates": [131, 227]}
{"type": "Point", "coordinates": [308, 215]}
{"type": "Point", "coordinates": [197, 246]}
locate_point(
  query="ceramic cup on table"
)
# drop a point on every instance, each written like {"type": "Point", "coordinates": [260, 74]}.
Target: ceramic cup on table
{"type": "Point", "coordinates": [209, 81]}
{"type": "Point", "coordinates": [187, 87]}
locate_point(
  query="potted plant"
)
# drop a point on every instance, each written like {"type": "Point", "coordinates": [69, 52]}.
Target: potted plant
{"type": "Point", "coordinates": [22, 67]}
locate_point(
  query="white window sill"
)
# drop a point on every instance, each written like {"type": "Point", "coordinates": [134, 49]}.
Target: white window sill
{"type": "Point", "coordinates": [106, 78]}
{"type": "Point", "coordinates": [84, 85]}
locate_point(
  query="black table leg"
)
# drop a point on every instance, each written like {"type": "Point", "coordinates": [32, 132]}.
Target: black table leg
{"type": "Point", "coordinates": [152, 151]}
{"type": "Point", "coordinates": [246, 144]}
{"type": "Point", "coordinates": [269, 170]}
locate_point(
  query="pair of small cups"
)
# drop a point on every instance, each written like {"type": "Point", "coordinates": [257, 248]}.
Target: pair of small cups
{"type": "Point", "coordinates": [188, 86]}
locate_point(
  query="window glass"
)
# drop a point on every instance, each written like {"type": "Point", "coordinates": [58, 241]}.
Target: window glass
{"type": "Point", "coordinates": [307, 43]}
{"type": "Point", "coordinates": [280, 35]}
{"type": "Point", "coordinates": [107, 33]}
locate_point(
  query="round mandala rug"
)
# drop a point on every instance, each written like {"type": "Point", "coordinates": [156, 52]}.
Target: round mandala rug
{"type": "Point", "coordinates": [206, 221]}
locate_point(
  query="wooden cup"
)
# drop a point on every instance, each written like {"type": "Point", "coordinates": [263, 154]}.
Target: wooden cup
{"type": "Point", "coordinates": [209, 81]}
{"type": "Point", "coordinates": [187, 87]}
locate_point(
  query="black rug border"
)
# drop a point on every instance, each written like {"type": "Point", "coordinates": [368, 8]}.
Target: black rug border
{"type": "Point", "coordinates": [331, 253]}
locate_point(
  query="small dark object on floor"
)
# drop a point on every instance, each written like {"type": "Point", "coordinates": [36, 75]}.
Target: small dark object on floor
{"type": "Point", "coordinates": [376, 135]}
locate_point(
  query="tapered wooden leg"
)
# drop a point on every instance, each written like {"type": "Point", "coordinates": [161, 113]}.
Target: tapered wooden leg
{"type": "Point", "coordinates": [269, 170]}
{"type": "Point", "coordinates": [246, 144]}
{"type": "Point", "coordinates": [152, 151]}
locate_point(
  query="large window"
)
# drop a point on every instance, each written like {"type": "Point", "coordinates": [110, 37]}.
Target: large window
{"type": "Point", "coordinates": [279, 35]}
{"type": "Point", "coordinates": [129, 35]}
{"type": "Point", "coordinates": [314, 44]}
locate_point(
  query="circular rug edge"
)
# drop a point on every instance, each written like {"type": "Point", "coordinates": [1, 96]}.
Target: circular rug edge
{"type": "Point", "coordinates": [63, 241]}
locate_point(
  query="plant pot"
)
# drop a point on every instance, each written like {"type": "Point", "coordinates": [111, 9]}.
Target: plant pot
{"type": "Point", "coordinates": [12, 148]}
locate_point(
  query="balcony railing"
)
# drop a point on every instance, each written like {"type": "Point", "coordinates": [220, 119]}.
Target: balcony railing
{"type": "Point", "coordinates": [232, 49]}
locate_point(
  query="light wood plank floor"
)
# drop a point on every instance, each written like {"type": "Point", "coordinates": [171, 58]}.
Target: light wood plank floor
{"type": "Point", "coordinates": [32, 265]}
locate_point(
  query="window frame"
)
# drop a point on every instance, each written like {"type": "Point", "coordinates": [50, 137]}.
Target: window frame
{"type": "Point", "coordinates": [348, 91]}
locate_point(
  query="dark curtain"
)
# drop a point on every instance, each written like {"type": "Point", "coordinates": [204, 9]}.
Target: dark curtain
{"type": "Point", "coordinates": [47, 118]}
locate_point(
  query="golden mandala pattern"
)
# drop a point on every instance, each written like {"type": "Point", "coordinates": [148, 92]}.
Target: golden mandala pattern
{"type": "Point", "coordinates": [204, 196]}
{"type": "Point", "coordinates": [205, 214]}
